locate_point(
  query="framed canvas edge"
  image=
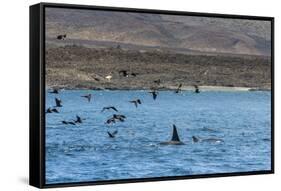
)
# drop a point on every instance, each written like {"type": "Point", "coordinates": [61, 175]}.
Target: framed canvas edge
{"type": "Point", "coordinates": [35, 96]}
{"type": "Point", "coordinates": [41, 90]}
{"type": "Point", "coordinates": [156, 11]}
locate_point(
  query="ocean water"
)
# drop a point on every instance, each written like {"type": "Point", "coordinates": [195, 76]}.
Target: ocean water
{"type": "Point", "coordinates": [85, 152]}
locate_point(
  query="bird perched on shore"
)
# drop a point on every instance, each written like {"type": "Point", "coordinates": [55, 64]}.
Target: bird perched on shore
{"type": "Point", "coordinates": [88, 97]}
{"type": "Point", "coordinates": [97, 79]}
{"type": "Point", "coordinates": [61, 37]}
{"type": "Point", "coordinates": [178, 89]}
{"type": "Point", "coordinates": [157, 82]}
{"type": "Point", "coordinates": [124, 73]}
{"type": "Point", "coordinates": [196, 89]}
{"type": "Point", "coordinates": [108, 77]}
{"type": "Point", "coordinates": [54, 91]}
{"type": "Point", "coordinates": [113, 134]}
{"type": "Point", "coordinates": [136, 102]}
{"type": "Point", "coordinates": [52, 110]}
{"type": "Point", "coordinates": [58, 102]}
{"type": "Point", "coordinates": [154, 94]}
{"type": "Point", "coordinates": [108, 108]}
{"type": "Point", "coordinates": [134, 74]}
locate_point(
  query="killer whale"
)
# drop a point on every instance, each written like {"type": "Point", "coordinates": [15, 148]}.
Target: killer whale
{"type": "Point", "coordinates": [210, 140]}
{"type": "Point", "coordinates": [175, 140]}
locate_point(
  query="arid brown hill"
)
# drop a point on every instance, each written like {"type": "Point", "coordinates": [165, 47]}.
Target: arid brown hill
{"type": "Point", "coordinates": [218, 35]}
{"type": "Point", "coordinates": [81, 67]}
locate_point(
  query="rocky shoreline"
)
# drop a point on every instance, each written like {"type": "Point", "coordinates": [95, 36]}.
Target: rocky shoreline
{"type": "Point", "coordinates": [77, 67]}
{"type": "Point", "coordinates": [187, 88]}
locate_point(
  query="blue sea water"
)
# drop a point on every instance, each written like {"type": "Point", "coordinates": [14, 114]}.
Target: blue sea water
{"type": "Point", "coordinates": [85, 152]}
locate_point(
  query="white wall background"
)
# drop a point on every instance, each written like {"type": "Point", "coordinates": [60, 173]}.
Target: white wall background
{"type": "Point", "coordinates": [14, 85]}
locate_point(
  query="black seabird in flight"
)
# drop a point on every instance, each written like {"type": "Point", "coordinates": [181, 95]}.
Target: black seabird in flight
{"type": "Point", "coordinates": [55, 91]}
{"type": "Point", "coordinates": [88, 97]}
{"type": "Point", "coordinates": [68, 122]}
{"type": "Point", "coordinates": [78, 119]}
{"type": "Point", "coordinates": [108, 108]}
{"type": "Point", "coordinates": [110, 120]}
{"type": "Point", "coordinates": [52, 110]}
{"type": "Point", "coordinates": [119, 117]}
{"type": "Point", "coordinates": [58, 102]}
{"type": "Point", "coordinates": [154, 94]}
{"type": "Point", "coordinates": [112, 135]}
{"type": "Point", "coordinates": [136, 102]}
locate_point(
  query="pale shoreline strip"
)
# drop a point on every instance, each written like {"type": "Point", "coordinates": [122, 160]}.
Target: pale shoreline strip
{"type": "Point", "coordinates": [167, 88]}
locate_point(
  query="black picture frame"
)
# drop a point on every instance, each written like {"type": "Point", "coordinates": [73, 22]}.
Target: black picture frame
{"type": "Point", "coordinates": [37, 94]}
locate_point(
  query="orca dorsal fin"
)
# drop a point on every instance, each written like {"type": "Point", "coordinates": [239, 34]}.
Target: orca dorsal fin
{"type": "Point", "coordinates": [175, 136]}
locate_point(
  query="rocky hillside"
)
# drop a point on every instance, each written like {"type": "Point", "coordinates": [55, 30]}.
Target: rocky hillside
{"type": "Point", "coordinates": [184, 33]}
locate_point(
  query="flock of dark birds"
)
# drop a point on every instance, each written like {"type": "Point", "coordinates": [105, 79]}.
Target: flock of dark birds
{"type": "Point", "coordinates": [115, 117]}
{"type": "Point", "coordinates": [119, 117]}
